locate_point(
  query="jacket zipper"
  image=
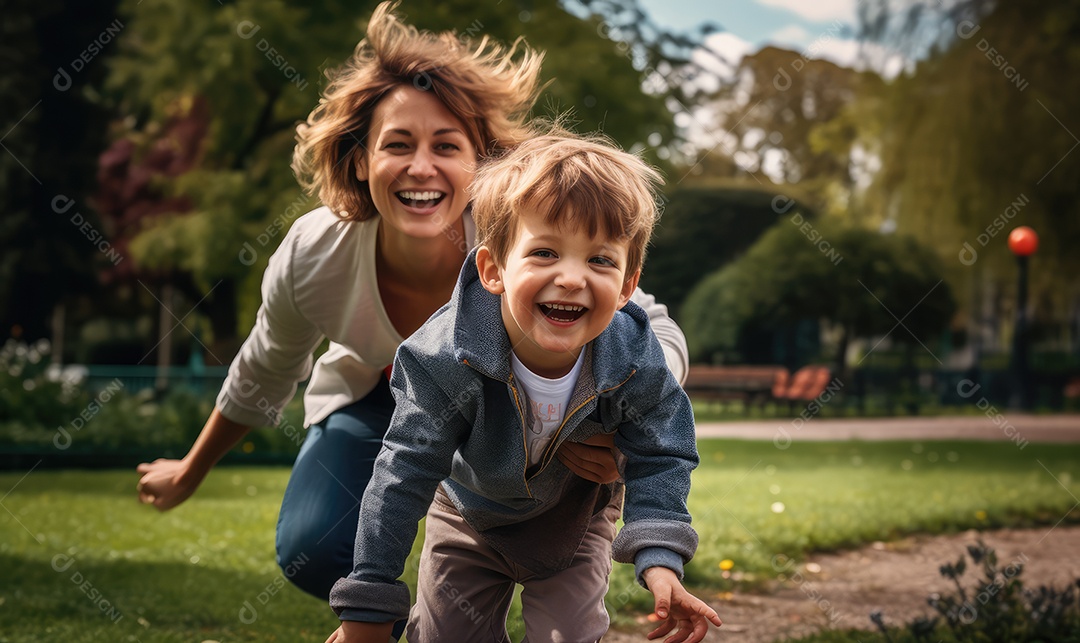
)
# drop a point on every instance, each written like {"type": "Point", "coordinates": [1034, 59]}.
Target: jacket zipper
{"type": "Point", "coordinates": [545, 460]}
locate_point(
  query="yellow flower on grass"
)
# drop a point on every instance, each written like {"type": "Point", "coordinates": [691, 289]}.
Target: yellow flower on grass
{"type": "Point", "coordinates": [248, 447]}
{"type": "Point", "coordinates": [980, 515]}
{"type": "Point", "coordinates": [727, 564]}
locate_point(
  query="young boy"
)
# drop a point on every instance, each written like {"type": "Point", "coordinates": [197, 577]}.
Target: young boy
{"type": "Point", "coordinates": [538, 345]}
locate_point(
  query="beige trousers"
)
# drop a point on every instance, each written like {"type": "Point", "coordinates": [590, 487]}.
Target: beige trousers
{"type": "Point", "coordinates": [465, 587]}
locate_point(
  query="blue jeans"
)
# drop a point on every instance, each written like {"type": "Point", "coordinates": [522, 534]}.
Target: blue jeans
{"type": "Point", "coordinates": [317, 525]}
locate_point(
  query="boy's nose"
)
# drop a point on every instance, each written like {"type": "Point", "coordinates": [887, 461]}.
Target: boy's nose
{"type": "Point", "coordinates": [570, 279]}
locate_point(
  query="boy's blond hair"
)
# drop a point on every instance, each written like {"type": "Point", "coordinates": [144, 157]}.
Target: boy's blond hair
{"type": "Point", "coordinates": [488, 87]}
{"type": "Point", "coordinates": [576, 182]}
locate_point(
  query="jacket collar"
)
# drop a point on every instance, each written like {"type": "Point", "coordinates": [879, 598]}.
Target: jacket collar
{"type": "Point", "coordinates": [480, 338]}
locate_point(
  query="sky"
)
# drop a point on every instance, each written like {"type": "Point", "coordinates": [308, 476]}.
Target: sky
{"type": "Point", "coordinates": [814, 28]}
{"type": "Point", "coordinates": [818, 28]}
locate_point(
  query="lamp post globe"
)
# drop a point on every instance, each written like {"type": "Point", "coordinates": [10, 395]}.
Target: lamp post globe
{"type": "Point", "coordinates": [1023, 241]}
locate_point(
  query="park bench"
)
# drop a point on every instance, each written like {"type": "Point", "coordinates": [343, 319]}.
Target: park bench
{"type": "Point", "coordinates": [756, 384]}
{"type": "Point", "coordinates": [803, 387]}
{"type": "Point", "coordinates": [747, 384]}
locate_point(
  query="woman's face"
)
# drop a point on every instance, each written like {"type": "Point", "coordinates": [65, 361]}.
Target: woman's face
{"type": "Point", "coordinates": [418, 163]}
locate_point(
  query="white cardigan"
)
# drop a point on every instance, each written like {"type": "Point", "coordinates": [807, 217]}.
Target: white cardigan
{"type": "Point", "coordinates": [321, 283]}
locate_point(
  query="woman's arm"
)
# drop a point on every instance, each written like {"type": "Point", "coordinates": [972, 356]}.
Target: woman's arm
{"type": "Point", "coordinates": [668, 332]}
{"type": "Point", "coordinates": [167, 483]}
{"type": "Point", "coordinates": [262, 379]}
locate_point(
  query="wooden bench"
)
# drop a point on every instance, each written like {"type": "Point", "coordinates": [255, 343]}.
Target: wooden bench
{"type": "Point", "coordinates": [756, 384]}
{"type": "Point", "coordinates": [747, 384]}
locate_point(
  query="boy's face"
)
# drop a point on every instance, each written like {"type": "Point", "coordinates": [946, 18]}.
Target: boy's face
{"type": "Point", "coordinates": [560, 290]}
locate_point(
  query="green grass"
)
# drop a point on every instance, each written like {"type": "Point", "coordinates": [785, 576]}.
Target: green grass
{"type": "Point", "coordinates": [186, 575]}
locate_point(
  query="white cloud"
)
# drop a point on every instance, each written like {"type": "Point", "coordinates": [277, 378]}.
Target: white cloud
{"type": "Point", "coordinates": [790, 35]}
{"type": "Point", "coordinates": [817, 10]}
{"type": "Point", "coordinates": [729, 46]}
{"type": "Point", "coordinates": [727, 50]}
{"type": "Point", "coordinates": [857, 55]}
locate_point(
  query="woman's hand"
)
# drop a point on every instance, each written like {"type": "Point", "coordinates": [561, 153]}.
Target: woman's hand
{"type": "Point", "coordinates": [593, 459]}
{"type": "Point", "coordinates": [166, 483]}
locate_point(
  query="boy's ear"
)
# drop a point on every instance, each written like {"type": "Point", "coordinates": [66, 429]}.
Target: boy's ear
{"type": "Point", "coordinates": [490, 276]}
{"type": "Point", "coordinates": [628, 287]}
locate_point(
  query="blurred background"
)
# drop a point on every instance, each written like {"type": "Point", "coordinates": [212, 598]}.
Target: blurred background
{"type": "Point", "coordinates": [842, 179]}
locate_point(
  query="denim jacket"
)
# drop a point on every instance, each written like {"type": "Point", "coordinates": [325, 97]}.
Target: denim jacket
{"type": "Point", "coordinates": [459, 422]}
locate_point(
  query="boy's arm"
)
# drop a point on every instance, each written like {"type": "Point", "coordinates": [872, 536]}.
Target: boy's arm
{"type": "Point", "coordinates": [656, 434]}
{"type": "Point", "coordinates": [417, 454]}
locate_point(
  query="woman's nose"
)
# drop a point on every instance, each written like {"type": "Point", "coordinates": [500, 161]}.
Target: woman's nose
{"type": "Point", "coordinates": [422, 165]}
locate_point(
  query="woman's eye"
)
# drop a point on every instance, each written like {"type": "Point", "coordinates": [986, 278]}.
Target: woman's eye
{"type": "Point", "coordinates": [395, 145]}
{"type": "Point", "coordinates": [447, 147]}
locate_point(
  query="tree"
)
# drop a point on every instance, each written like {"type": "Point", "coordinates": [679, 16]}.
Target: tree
{"type": "Point", "coordinates": [980, 138]}
{"type": "Point", "coordinates": [771, 110]}
{"type": "Point", "coordinates": [704, 226]}
{"type": "Point", "coordinates": [52, 131]}
{"type": "Point", "coordinates": [863, 282]}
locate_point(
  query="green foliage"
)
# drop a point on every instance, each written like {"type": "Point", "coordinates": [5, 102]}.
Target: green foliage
{"type": "Point", "coordinates": [51, 413]}
{"type": "Point", "coordinates": [861, 280]}
{"type": "Point", "coordinates": [703, 227]}
{"type": "Point", "coordinates": [29, 395]}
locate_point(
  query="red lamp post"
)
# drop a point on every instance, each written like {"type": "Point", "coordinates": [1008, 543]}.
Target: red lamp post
{"type": "Point", "coordinates": [1023, 242]}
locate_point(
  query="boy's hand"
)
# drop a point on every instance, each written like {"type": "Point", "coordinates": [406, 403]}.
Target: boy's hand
{"type": "Point", "coordinates": [593, 459]}
{"type": "Point", "coordinates": [678, 608]}
{"type": "Point", "coordinates": [357, 632]}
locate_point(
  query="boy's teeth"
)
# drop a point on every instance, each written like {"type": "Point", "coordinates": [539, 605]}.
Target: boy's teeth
{"type": "Point", "coordinates": [565, 307]}
{"type": "Point", "coordinates": [421, 196]}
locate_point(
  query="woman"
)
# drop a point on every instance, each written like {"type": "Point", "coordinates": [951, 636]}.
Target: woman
{"type": "Point", "coordinates": [390, 150]}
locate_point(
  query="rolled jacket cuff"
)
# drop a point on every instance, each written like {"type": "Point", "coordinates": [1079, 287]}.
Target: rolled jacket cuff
{"type": "Point", "coordinates": [376, 602]}
{"type": "Point", "coordinates": [657, 557]}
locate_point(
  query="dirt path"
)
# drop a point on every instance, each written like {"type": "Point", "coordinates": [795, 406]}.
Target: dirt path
{"type": "Point", "coordinates": [893, 577]}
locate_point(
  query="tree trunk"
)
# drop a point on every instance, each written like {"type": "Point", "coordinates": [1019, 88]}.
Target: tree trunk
{"type": "Point", "coordinates": [165, 328]}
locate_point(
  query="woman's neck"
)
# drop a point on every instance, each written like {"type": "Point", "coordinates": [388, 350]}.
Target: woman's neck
{"type": "Point", "coordinates": [421, 263]}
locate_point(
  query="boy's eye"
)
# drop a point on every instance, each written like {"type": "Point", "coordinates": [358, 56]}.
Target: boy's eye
{"type": "Point", "coordinates": [603, 261]}
{"type": "Point", "coordinates": [543, 254]}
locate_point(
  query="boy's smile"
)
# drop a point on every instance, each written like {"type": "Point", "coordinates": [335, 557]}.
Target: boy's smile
{"type": "Point", "coordinates": [560, 290]}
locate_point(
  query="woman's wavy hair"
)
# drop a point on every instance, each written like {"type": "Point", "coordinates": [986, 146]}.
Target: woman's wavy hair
{"type": "Point", "coordinates": [488, 87]}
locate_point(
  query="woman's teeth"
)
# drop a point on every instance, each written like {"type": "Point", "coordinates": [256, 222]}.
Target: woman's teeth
{"type": "Point", "coordinates": [420, 198]}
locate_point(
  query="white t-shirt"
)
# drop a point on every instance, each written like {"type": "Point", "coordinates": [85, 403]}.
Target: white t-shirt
{"type": "Point", "coordinates": [545, 404]}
